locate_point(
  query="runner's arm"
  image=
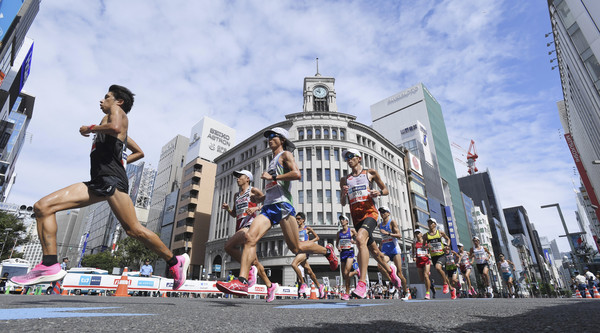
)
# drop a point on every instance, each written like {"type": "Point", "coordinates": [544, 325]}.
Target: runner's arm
{"type": "Point", "coordinates": [383, 190]}
{"type": "Point", "coordinates": [289, 164]}
{"type": "Point", "coordinates": [311, 231]}
{"type": "Point", "coordinates": [344, 189]}
{"type": "Point", "coordinates": [256, 195]}
{"type": "Point", "coordinates": [136, 151]}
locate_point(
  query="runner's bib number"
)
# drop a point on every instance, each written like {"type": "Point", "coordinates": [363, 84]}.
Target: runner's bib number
{"type": "Point", "coordinates": [358, 193]}
{"type": "Point", "coordinates": [345, 244]}
{"type": "Point", "coordinates": [421, 252]}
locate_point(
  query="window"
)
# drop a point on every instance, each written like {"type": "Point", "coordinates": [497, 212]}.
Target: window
{"type": "Point", "coordinates": [319, 174]}
{"type": "Point", "coordinates": [338, 196]}
{"type": "Point", "coordinates": [301, 134]}
{"type": "Point", "coordinates": [302, 174]}
{"type": "Point", "coordinates": [308, 154]}
{"type": "Point", "coordinates": [326, 133]}
{"type": "Point", "coordinates": [334, 134]}
{"type": "Point", "coordinates": [326, 153]}
{"type": "Point", "coordinates": [336, 154]}
{"type": "Point", "coordinates": [309, 175]}
{"type": "Point", "coordinates": [309, 198]}
{"type": "Point", "coordinates": [327, 175]}
{"type": "Point", "coordinates": [318, 133]}
{"type": "Point", "coordinates": [337, 175]}
{"type": "Point", "coordinates": [342, 135]}
{"type": "Point", "coordinates": [420, 202]}
{"type": "Point", "coordinates": [300, 197]}
{"type": "Point", "coordinates": [300, 155]}
{"type": "Point", "coordinates": [309, 133]}
{"type": "Point", "coordinates": [319, 196]}
{"type": "Point", "coordinates": [320, 218]}
{"type": "Point", "coordinates": [329, 218]}
{"type": "Point", "coordinates": [318, 154]}
{"type": "Point", "coordinates": [328, 196]}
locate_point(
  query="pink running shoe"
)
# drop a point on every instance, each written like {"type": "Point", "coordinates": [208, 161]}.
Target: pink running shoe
{"type": "Point", "coordinates": [179, 271]}
{"type": "Point", "coordinates": [445, 290]}
{"type": "Point", "coordinates": [345, 297]}
{"type": "Point", "coordinates": [252, 276]}
{"type": "Point", "coordinates": [474, 291]}
{"type": "Point", "coordinates": [303, 289]}
{"type": "Point", "coordinates": [470, 292]}
{"type": "Point", "coordinates": [321, 290]}
{"type": "Point", "coordinates": [361, 290]}
{"type": "Point", "coordinates": [394, 276]}
{"type": "Point", "coordinates": [235, 287]}
{"type": "Point", "coordinates": [453, 294]}
{"type": "Point", "coordinates": [427, 295]}
{"type": "Point", "coordinates": [39, 274]}
{"type": "Point", "coordinates": [271, 292]}
{"type": "Point", "coordinates": [332, 258]}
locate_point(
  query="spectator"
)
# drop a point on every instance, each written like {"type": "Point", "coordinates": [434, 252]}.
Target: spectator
{"type": "Point", "coordinates": [64, 265]}
{"type": "Point", "coordinates": [580, 283]}
{"type": "Point", "coordinates": [591, 279]}
{"type": "Point", "coordinates": [146, 270]}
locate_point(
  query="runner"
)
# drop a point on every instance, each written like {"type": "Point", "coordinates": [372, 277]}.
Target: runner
{"type": "Point", "coordinates": [504, 266]}
{"type": "Point", "coordinates": [356, 190]}
{"type": "Point", "coordinates": [422, 260]}
{"type": "Point", "coordinates": [433, 239]}
{"type": "Point", "coordinates": [302, 258]}
{"type": "Point", "coordinates": [481, 256]}
{"type": "Point", "coordinates": [277, 209]}
{"type": "Point", "coordinates": [465, 268]}
{"type": "Point", "coordinates": [245, 211]}
{"type": "Point", "coordinates": [449, 259]}
{"type": "Point", "coordinates": [390, 233]}
{"type": "Point", "coordinates": [345, 239]}
{"type": "Point", "coordinates": [108, 183]}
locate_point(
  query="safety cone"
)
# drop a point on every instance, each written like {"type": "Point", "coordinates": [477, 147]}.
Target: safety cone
{"type": "Point", "coordinates": [122, 286]}
{"type": "Point", "coordinates": [164, 294]}
{"type": "Point", "coordinates": [313, 292]}
{"type": "Point", "coordinates": [587, 293]}
{"type": "Point", "coordinates": [577, 293]}
{"type": "Point", "coordinates": [65, 292]}
{"type": "Point", "coordinates": [596, 294]}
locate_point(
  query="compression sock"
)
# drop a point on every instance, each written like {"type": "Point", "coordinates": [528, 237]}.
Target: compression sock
{"type": "Point", "coordinates": [49, 260]}
{"type": "Point", "coordinates": [172, 262]}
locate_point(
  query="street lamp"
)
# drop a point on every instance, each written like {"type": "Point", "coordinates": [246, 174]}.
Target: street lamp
{"type": "Point", "coordinates": [6, 231]}
{"type": "Point", "coordinates": [567, 234]}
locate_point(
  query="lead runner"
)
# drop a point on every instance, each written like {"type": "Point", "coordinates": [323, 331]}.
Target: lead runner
{"type": "Point", "coordinates": [108, 183]}
{"type": "Point", "coordinates": [277, 209]}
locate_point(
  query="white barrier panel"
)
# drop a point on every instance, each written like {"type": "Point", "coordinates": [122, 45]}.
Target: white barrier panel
{"type": "Point", "coordinates": [73, 281]}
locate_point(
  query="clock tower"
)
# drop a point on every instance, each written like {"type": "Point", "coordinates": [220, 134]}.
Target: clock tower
{"type": "Point", "coordinates": [319, 93]}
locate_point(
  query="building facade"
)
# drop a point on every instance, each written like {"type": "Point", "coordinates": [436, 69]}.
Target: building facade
{"type": "Point", "coordinates": [320, 134]}
{"type": "Point", "coordinates": [577, 45]}
{"type": "Point", "coordinates": [413, 118]}
{"type": "Point", "coordinates": [168, 178]}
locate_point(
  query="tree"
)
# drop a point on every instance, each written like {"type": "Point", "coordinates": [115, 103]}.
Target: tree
{"type": "Point", "coordinates": [132, 253]}
{"type": "Point", "coordinates": [12, 239]}
{"type": "Point", "coordinates": [103, 260]}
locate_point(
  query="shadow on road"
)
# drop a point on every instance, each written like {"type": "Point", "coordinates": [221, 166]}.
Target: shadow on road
{"type": "Point", "coordinates": [560, 318]}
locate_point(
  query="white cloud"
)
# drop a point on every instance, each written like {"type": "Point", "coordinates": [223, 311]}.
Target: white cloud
{"type": "Point", "coordinates": [243, 63]}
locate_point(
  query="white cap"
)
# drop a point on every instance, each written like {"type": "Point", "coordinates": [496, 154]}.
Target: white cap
{"type": "Point", "coordinates": [237, 174]}
{"type": "Point", "coordinates": [353, 151]}
{"type": "Point", "coordinates": [287, 145]}
{"type": "Point", "coordinates": [384, 208]}
{"type": "Point", "coordinates": [460, 244]}
{"type": "Point", "coordinates": [431, 219]}
{"type": "Point", "coordinates": [475, 238]}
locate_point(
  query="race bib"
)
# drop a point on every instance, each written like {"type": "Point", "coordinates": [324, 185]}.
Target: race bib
{"type": "Point", "coordinates": [358, 193]}
{"type": "Point", "coordinates": [386, 239]}
{"type": "Point", "coordinates": [436, 247]}
{"type": "Point", "coordinates": [271, 185]}
{"type": "Point", "coordinates": [421, 252]}
{"type": "Point", "coordinates": [345, 244]}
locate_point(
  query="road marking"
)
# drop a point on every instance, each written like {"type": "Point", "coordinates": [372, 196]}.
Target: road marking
{"type": "Point", "coordinates": [326, 306]}
{"type": "Point", "coordinates": [39, 313]}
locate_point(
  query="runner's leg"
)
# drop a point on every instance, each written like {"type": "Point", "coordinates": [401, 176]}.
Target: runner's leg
{"type": "Point", "coordinates": [259, 227]}
{"type": "Point", "coordinates": [300, 258]}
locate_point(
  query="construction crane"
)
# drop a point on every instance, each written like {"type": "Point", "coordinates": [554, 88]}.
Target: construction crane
{"type": "Point", "coordinates": [471, 158]}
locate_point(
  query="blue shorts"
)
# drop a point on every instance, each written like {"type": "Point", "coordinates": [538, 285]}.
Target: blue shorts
{"type": "Point", "coordinates": [278, 211]}
{"type": "Point", "coordinates": [346, 254]}
{"type": "Point", "coordinates": [390, 250]}
{"type": "Point", "coordinates": [506, 276]}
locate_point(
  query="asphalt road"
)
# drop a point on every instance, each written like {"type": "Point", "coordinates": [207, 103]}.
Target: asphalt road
{"type": "Point", "coordinates": [146, 314]}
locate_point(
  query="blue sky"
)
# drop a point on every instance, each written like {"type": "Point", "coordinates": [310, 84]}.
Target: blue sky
{"type": "Point", "coordinates": [243, 64]}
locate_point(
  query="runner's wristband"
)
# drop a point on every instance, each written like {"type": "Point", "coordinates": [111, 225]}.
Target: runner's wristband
{"type": "Point", "coordinates": [91, 127]}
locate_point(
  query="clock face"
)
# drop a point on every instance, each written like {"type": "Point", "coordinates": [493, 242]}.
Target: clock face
{"type": "Point", "coordinates": [320, 92]}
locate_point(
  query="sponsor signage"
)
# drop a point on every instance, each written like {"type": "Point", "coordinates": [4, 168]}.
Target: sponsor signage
{"type": "Point", "coordinates": [451, 228]}
{"type": "Point", "coordinates": [415, 164]}
{"type": "Point", "coordinates": [583, 173]}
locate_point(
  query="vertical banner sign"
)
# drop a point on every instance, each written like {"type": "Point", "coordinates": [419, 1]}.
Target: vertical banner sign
{"type": "Point", "coordinates": [83, 250]}
{"type": "Point", "coordinates": [451, 228]}
{"type": "Point", "coordinates": [583, 173]}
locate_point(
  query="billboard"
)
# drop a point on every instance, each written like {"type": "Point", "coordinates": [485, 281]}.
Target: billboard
{"type": "Point", "coordinates": [209, 139]}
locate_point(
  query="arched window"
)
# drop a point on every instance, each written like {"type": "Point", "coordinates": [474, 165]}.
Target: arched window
{"type": "Point", "coordinates": [301, 134]}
